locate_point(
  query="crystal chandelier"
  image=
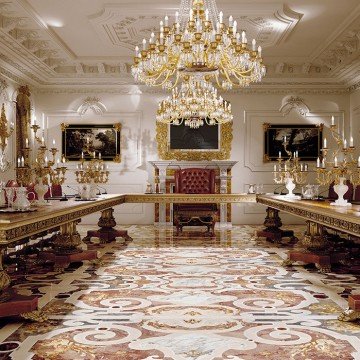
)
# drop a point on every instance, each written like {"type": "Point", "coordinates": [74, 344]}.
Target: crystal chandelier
{"type": "Point", "coordinates": [198, 42]}
{"type": "Point", "coordinates": [194, 103]}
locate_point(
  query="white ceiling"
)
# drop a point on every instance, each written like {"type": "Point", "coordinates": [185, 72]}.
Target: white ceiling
{"type": "Point", "coordinates": [57, 43]}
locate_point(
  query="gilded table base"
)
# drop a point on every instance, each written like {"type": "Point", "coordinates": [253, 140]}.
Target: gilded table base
{"type": "Point", "coordinates": [61, 262]}
{"type": "Point", "coordinates": [272, 231]}
{"type": "Point", "coordinates": [15, 304]}
{"type": "Point", "coordinates": [107, 233]}
{"type": "Point", "coordinates": [353, 313]}
{"type": "Point", "coordinates": [316, 249]}
{"type": "Point", "coordinates": [67, 248]}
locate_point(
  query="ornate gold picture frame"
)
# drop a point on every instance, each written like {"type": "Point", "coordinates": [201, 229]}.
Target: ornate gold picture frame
{"type": "Point", "coordinates": [221, 153]}
{"type": "Point", "coordinates": [305, 139]}
{"type": "Point", "coordinates": [78, 139]}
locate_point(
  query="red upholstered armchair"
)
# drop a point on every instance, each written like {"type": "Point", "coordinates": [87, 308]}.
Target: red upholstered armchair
{"type": "Point", "coordinates": [195, 181]}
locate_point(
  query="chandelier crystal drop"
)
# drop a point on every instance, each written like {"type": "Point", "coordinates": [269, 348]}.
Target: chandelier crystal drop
{"type": "Point", "coordinates": [198, 42]}
{"type": "Point", "coordinates": [194, 103]}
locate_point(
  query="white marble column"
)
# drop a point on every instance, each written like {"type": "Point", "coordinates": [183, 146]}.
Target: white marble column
{"type": "Point", "coordinates": [162, 185]}
{"type": "Point", "coordinates": [223, 190]}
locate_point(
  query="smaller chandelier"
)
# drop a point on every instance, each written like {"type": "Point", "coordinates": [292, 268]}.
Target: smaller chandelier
{"type": "Point", "coordinates": [195, 103]}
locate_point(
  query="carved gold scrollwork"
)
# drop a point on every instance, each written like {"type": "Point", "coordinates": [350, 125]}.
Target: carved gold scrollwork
{"type": "Point", "coordinates": [68, 240]}
{"type": "Point", "coordinates": [107, 219]}
{"type": "Point", "coordinates": [4, 277]}
{"type": "Point", "coordinates": [63, 126]}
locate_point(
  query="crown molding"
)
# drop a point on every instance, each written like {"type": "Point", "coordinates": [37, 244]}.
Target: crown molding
{"type": "Point", "coordinates": [275, 88]}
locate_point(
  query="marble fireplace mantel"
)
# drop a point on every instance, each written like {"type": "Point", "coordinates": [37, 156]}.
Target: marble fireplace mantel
{"type": "Point", "coordinates": [225, 175]}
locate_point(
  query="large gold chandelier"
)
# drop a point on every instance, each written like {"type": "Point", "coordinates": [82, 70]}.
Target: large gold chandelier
{"type": "Point", "coordinates": [194, 103]}
{"type": "Point", "coordinates": [200, 42]}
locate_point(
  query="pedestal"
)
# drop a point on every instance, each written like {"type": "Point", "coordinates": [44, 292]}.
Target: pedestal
{"type": "Point", "coordinates": [66, 248]}
{"type": "Point", "coordinates": [316, 249]}
{"type": "Point", "coordinates": [272, 231]}
{"type": "Point", "coordinates": [353, 312]}
{"type": "Point", "coordinates": [107, 233]}
{"type": "Point", "coordinates": [12, 304]}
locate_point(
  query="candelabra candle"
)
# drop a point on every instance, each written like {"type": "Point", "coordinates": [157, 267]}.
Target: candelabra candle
{"type": "Point", "coordinates": [340, 166]}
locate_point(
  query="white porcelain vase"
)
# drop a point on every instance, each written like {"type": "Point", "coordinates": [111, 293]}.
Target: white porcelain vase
{"type": "Point", "coordinates": [290, 186]}
{"type": "Point", "coordinates": [41, 189]}
{"type": "Point", "coordinates": [341, 190]}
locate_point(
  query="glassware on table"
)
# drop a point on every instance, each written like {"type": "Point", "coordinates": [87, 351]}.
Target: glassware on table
{"type": "Point", "coordinates": [251, 189]}
{"type": "Point", "coordinates": [259, 189]}
{"type": "Point", "coordinates": [21, 202]}
{"type": "Point", "coordinates": [10, 193]}
{"type": "Point", "coordinates": [307, 192]}
{"type": "Point", "coordinates": [316, 191]}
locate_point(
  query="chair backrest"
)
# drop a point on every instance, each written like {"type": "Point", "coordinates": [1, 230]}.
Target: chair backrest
{"type": "Point", "coordinates": [195, 181]}
{"type": "Point", "coordinates": [56, 190]}
{"type": "Point", "coordinates": [357, 193]}
{"type": "Point", "coordinates": [348, 195]}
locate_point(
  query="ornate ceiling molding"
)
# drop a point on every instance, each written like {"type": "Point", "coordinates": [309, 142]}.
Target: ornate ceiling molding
{"type": "Point", "coordinates": [354, 87]}
{"type": "Point", "coordinates": [35, 54]}
{"type": "Point", "coordinates": [278, 89]}
{"type": "Point", "coordinates": [3, 93]}
{"type": "Point", "coordinates": [125, 25]}
{"type": "Point", "coordinates": [292, 102]}
{"type": "Point", "coordinates": [92, 103]}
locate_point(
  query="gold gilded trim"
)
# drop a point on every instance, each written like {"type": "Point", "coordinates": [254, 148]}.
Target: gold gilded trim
{"type": "Point", "coordinates": [117, 127]}
{"type": "Point", "coordinates": [63, 126]}
{"type": "Point", "coordinates": [189, 198]}
{"type": "Point", "coordinates": [226, 137]}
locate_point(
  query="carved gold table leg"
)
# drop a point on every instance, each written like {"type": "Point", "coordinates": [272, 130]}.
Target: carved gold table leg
{"type": "Point", "coordinates": [316, 252]}
{"type": "Point", "coordinates": [353, 312]}
{"type": "Point", "coordinates": [67, 249]}
{"type": "Point", "coordinates": [12, 304]}
{"type": "Point", "coordinates": [107, 233]}
{"type": "Point", "coordinates": [272, 231]}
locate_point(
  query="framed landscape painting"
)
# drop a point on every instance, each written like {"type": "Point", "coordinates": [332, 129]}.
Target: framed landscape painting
{"type": "Point", "coordinates": [306, 139]}
{"type": "Point", "coordinates": [103, 139]}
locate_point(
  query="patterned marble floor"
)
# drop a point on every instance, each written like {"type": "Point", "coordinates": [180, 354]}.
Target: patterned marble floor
{"type": "Point", "coordinates": [185, 298]}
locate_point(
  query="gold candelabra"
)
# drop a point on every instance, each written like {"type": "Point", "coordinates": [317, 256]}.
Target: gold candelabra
{"type": "Point", "coordinates": [339, 167]}
{"type": "Point", "coordinates": [5, 133]}
{"type": "Point", "coordinates": [290, 171]}
{"type": "Point", "coordinates": [93, 171]}
{"type": "Point", "coordinates": [47, 167]}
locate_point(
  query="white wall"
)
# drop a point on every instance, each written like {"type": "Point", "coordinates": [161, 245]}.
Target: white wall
{"type": "Point", "coordinates": [137, 114]}
{"type": "Point", "coordinates": [7, 95]}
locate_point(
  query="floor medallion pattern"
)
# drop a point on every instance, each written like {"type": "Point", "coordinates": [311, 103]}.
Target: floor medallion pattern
{"type": "Point", "coordinates": [185, 298]}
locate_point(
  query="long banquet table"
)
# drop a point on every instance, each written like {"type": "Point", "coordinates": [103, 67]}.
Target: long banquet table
{"type": "Point", "coordinates": [345, 219]}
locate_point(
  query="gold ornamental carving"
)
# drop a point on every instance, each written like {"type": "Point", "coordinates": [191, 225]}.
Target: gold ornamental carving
{"type": "Point", "coordinates": [107, 219]}
{"type": "Point", "coordinates": [23, 118]}
{"type": "Point", "coordinates": [4, 277]}
{"type": "Point", "coordinates": [165, 153]}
